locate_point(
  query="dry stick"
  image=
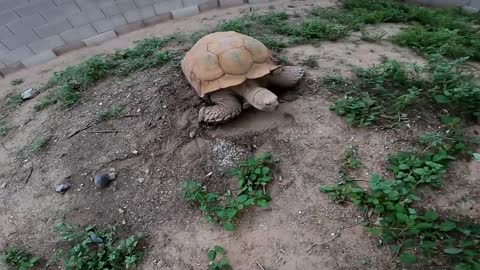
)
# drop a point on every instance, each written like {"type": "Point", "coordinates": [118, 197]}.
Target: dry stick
{"type": "Point", "coordinates": [29, 174]}
{"type": "Point", "coordinates": [260, 266]}
{"type": "Point", "coordinates": [323, 243]}
{"type": "Point", "coordinates": [1, 145]}
{"type": "Point", "coordinates": [87, 126]}
{"type": "Point", "coordinates": [104, 131]}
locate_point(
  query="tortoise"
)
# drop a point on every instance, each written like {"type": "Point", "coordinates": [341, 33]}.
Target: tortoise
{"type": "Point", "coordinates": [229, 68]}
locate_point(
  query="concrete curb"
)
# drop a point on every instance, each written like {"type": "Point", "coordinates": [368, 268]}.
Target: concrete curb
{"type": "Point", "coordinates": [47, 55]}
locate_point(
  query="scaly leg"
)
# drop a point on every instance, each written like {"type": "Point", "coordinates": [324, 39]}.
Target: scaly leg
{"type": "Point", "coordinates": [227, 106]}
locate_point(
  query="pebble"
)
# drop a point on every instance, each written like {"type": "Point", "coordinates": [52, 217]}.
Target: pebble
{"type": "Point", "coordinates": [4, 185]}
{"type": "Point", "coordinates": [96, 239]}
{"type": "Point", "coordinates": [124, 222]}
{"type": "Point", "coordinates": [61, 188]}
{"type": "Point", "coordinates": [192, 134]}
{"type": "Point", "coordinates": [30, 93]}
{"type": "Point", "coordinates": [141, 180]}
{"type": "Point", "coordinates": [135, 152]}
{"type": "Point", "coordinates": [121, 211]}
{"type": "Point", "coordinates": [103, 180]}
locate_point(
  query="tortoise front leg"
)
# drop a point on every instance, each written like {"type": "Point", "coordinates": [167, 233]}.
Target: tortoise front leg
{"type": "Point", "coordinates": [286, 76]}
{"type": "Point", "coordinates": [227, 106]}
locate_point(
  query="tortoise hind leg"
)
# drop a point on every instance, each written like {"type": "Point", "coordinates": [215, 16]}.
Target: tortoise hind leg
{"type": "Point", "coordinates": [227, 106]}
{"type": "Point", "coordinates": [286, 76]}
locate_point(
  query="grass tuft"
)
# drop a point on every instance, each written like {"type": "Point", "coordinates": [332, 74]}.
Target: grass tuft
{"type": "Point", "coordinates": [17, 258]}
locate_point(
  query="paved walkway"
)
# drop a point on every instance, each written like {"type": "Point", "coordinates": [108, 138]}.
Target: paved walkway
{"type": "Point", "coordinates": [36, 31]}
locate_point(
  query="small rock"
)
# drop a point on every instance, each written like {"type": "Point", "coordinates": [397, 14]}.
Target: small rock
{"type": "Point", "coordinates": [141, 180]}
{"type": "Point", "coordinates": [96, 239]}
{"type": "Point", "coordinates": [124, 222]}
{"type": "Point", "coordinates": [61, 188]}
{"type": "Point", "coordinates": [121, 211]}
{"type": "Point", "coordinates": [4, 185]}
{"type": "Point", "coordinates": [192, 134]}
{"type": "Point", "coordinates": [135, 152]}
{"type": "Point", "coordinates": [208, 174]}
{"type": "Point", "coordinates": [103, 180]}
{"type": "Point", "coordinates": [29, 93]}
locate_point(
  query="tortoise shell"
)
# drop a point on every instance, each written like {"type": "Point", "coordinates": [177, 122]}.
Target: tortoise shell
{"type": "Point", "coordinates": [224, 59]}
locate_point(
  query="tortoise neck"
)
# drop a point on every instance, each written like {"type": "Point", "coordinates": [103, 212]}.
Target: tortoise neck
{"type": "Point", "coordinates": [248, 90]}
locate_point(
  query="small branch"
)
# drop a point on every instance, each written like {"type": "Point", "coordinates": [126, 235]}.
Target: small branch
{"type": "Point", "coordinates": [104, 131]}
{"type": "Point", "coordinates": [29, 174]}
{"type": "Point", "coordinates": [3, 147]}
{"type": "Point", "coordinates": [87, 126]}
{"type": "Point", "coordinates": [323, 243]}
{"type": "Point", "coordinates": [259, 265]}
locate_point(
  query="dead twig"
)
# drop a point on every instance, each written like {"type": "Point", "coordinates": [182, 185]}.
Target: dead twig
{"type": "Point", "coordinates": [3, 147]}
{"type": "Point", "coordinates": [29, 174]}
{"type": "Point", "coordinates": [104, 131]}
{"type": "Point", "coordinates": [260, 266]}
{"type": "Point", "coordinates": [323, 243]}
{"type": "Point", "coordinates": [87, 126]}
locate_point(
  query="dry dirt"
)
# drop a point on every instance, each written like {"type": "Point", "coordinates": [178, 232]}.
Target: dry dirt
{"type": "Point", "coordinates": [303, 230]}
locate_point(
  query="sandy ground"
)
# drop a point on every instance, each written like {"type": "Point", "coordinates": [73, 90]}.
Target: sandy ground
{"type": "Point", "coordinates": [303, 230]}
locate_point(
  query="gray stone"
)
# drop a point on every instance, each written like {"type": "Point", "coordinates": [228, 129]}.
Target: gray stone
{"type": "Point", "coordinates": [87, 4]}
{"type": "Point", "coordinates": [88, 16]}
{"type": "Point", "coordinates": [52, 28]}
{"type": "Point", "coordinates": [143, 3]}
{"type": "Point", "coordinates": [258, 1]}
{"type": "Point", "coordinates": [100, 38]}
{"type": "Point", "coordinates": [211, 4]}
{"type": "Point", "coordinates": [185, 12]}
{"type": "Point", "coordinates": [109, 24]}
{"type": "Point", "coordinates": [30, 93]}
{"type": "Point", "coordinates": [8, 4]}
{"type": "Point", "coordinates": [61, 188]}
{"type": "Point", "coordinates": [68, 47]}
{"type": "Point", "coordinates": [40, 58]}
{"type": "Point", "coordinates": [5, 33]}
{"type": "Point", "coordinates": [118, 7]}
{"type": "Point", "coordinates": [3, 49]}
{"type": "Point", "coordinates": [164, 6]}
{"type": "Point", "coordinates": [7, 16]}
{"type": "Point", "coordinates": [20, 39]}
{"type": "Point", "coordinates": [58, 12]}
{"type": "Point", "coordinates": [34, 7]}
{"type": "Point", "coordinates": [16, 55]}
{"type": "Point", "coordinates": [139, 14]}
{"type": "Point", "coordinates": [123, 29]}
{"type": "Point", "coordinates": [26, 23]}
{"type": "Point", "coordinates": [61, 2]}
{"type": "Point", "coordinates": [157, 19]}
{"type": "Point", "coordinates": [78, 33]}
{"type": "Point", "coordinates": [46, 43]}
{"type": "Point", "coordinates": [230, 3]}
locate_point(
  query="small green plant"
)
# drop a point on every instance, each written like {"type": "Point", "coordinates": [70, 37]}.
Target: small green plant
{"type": "Point", "coordinates": [39, 144]}
{"type": "Point", "coordinates": [358, 111]}
{"type": "Point", "coordinates": [94, 249]}
{"type": "Point", "coordinates": [476, 156]}
{"type": "Point", "coordinates": [217, 258]}
{"type": "Point", "coordinates": [16, 258]}
{"type": "Point", "coordinates": [111, 113]}
{"type": "Point", "coordinates": [253, 176]}
{"type": "Point", "coordinates": [15, 100]}
{"type": "Point", "coordinates": [16, 82]}
{"type": "Point", "coordinates": [372, 36]}
{"type": "Point", "coordinates": [351, 160]}
{"type": "Point", "coordinates": [4, 129]}
{"type": "Point", "coordinates": [282, 60]}
{"type": "Point", "coordinates": [311, 61]}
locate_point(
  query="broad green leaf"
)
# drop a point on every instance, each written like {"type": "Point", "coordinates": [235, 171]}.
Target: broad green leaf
{"type": "Point", "coordinates": [265, 170]}
{"type": "Point", "coordinates": [447, 226]}
{"type": "Point", "coordinates": [408, 258]}
{"type": "Point", "coordinates": [419, 171]}
{"type": "Point", "coordinates": [219, 250]}
{"type": "Point", "coordinates": [212, 254]}
{"type": "Point", "coordinates": [231, 213]}
{"type": "Point", "coordinates": [229, 226]}
{"type": "Point", "coordinates": [476, 156]}
{"type": "Point", "coordinates": [430, 215]}
{"type": "Point", "coordinates": [404, 167]}
{"type": "Point", "coordinates": [452, 250]}
{"type": "Point", "coordinates": [242, 198]}
{"type": "Point", "coordinates": [441, 99]}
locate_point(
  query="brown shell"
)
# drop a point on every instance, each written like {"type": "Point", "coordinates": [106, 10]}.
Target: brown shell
{"type": "Point", "coordinates": [223, 59]}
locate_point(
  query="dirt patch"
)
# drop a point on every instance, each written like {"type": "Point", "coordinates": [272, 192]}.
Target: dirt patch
{"type": "Point", "coordinates": [158, 144]}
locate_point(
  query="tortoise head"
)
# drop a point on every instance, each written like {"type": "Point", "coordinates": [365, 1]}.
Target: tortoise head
{"type": "Point", "coordinates": [264, 100]}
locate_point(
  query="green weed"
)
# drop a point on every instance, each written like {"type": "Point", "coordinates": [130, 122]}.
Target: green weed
{"type": "Point", "coordinates": [111, 113]}
{"type": "Point", "coordinates": [39, 144]}
{"type": "Point", "coordinates": [358, 111]}
{"type": "Point", "coordinates": [311, 61]}
{"type": "Point", "coordinates": [282, 60]}
{"type": "Point", "coordinates": [94, 249]}
{"type": "Point", "coordinates": [16, 258]}
{"type": "Point", "coordinates": [4, 129]}
{"type": "Point", "coordinates": [476, 156]}
{"type": "Point", "coordinates": [253, 176]}
{"type": "Point", "coordinates": [15, 100]}
{"type": "Point", "coordinates": [16, 82]}
{"type": "Point", "coordinates": [351, 160]}
{"type": "Point", "coordinates": [372, 36]}
{"type": "Point", "coordinates": [217, 258]}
